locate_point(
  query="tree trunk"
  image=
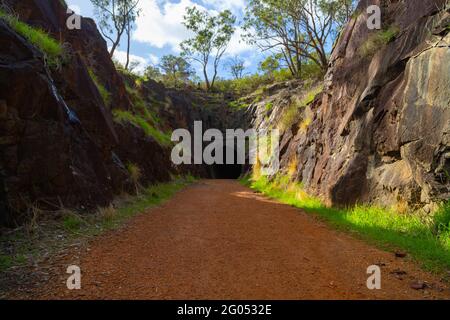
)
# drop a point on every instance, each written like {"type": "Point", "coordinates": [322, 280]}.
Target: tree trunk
{"type": "Point", "coordinates": [128, 44]}
{"type": "Point", "coordinates": [114, 47]}
{"type": "Point", "coordinates": [116, 43]}
{"type": "Point", "coordinates": [205, 74]}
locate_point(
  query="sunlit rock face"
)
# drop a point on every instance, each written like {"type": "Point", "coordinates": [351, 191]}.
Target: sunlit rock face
{"type": "Point", "coordinates": [379, 132]}
{"type": "Point", "coordinates": [59, 143]}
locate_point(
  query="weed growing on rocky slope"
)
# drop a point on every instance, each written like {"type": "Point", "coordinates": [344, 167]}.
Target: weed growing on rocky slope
{"type": "Point", "coordinates": [104, 93]}
{"type": "Point", "coordinates": [378, 40]}
{"type": "Point", "coordinates": [291, 114]}
{"type": "Point", "coordinates": [135, 175]}
{"type": "Point", "coordinates": [121, 116]}
{"type": "Point", "coordinates": [52, 49]}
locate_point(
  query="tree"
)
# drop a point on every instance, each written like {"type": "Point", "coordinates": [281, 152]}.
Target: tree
{"type": "Point", "coordinates": [236, 66]}
{"type": "Point", "coordinates": [153, 72]}
{"type": "Point", "coordinates": [212, 35]}
{"type": "Point", "coordinates": [114, 16]}
{"type": "Point", "coordinates": [132, 65]}
{"type": "Point", "coordinates": [270, 64]}
{"type": "Point", "coordinates": [176, 69]}
{"type": "Point", "coordinates": [301, 30]}
{"type": "Point", "coordinates": [131, 19]}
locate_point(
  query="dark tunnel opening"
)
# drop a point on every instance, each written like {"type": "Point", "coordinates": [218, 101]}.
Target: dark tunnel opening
{"type": "Point", "coordinates": [227, 171]}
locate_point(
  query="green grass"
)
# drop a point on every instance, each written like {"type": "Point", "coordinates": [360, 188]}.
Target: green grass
{"type": "Point", "coordinates": [291, 114]}
{"type": "Point", "coordinates": [121, 116]}
{"type": "Point", "coordinates": [50, 47]}
{"type": "Point", "coordinates": [378, 40]}
{"type": "Point", "coordinates": [428, 243]}
{"type": "Point", "coordinates": [238, 105]}
{"type": "Point", "coordinates": [72, 222]}
{"type": "Point", "coordinates": [51, 236]}
{"type": "Point", "coordinates": [6, 262]}
{"type": "Point", "coordinates": [105, 94]}
{"type": "Point", "coordinates": [141, 106]}
{"type": "Point", "coordinates": [142, 117]}
{"type": "Point", "coordinates": [269, 107]}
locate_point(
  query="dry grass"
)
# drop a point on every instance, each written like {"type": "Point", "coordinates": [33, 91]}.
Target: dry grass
{"type": "Point", "coordinates": [378, 40]}
{"type": "Point", "coordinates": [292, 113]}
{"type": "Point", "coordinates": [304, 124]}
{"type": "Point", "coordinates": [292, 168]}
{"type": "Point", "coordinates": [135, 175]}
{"type": "Point", "coordinates": [107, 213]}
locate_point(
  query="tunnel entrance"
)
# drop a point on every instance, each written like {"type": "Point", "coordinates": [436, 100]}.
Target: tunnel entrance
{"type": "Point", "coordinates": [227, 171]}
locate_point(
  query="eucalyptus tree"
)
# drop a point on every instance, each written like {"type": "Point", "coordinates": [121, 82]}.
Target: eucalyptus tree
{"type": "Point", "coordinates": [211, 36]}
{"type": "Point", "coordinates": [176, 69]}
{"type": "Point", "coordinates": [300, 30]}
{"type": "Point", "coordinates": [115, 17]}
{"type": "Point", "coordinates": [236, 67]}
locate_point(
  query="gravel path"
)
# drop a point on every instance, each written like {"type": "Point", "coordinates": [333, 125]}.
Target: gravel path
{"type": "Point", "coordinates": [220, 240]}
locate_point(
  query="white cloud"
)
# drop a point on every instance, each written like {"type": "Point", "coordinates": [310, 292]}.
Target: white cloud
{"type": "Point", "coordinates": [75, 8]}
{"type": "Point", "coordinates": [121, 56]}
{"type": "Point", "coordinates": [237, 45]}
{"type": "Point", "coordinates": [153, 59]}
{"type": "Point", "coordinates": [160, 24]}
{"type": "Point", "coordinates": [233, 5]}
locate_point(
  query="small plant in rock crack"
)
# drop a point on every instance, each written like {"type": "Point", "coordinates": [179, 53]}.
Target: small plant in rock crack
{"type": "Point", "coordinates": [378, 40]}
{"type": "Point", "coordinates": [135, 175]}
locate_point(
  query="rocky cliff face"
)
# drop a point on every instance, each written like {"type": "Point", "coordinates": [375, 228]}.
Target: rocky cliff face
{"type": "Point", "coordinates": [59, 143]}
{"type": "Point", "coordinates": [380, 130]}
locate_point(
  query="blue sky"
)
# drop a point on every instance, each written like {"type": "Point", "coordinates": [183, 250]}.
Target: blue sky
{"type": "Point", "coordinates": [159, 30]}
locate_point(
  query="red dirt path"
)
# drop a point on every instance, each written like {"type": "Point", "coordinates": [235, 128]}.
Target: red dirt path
{"type": "Point", "coordinates": [220, 240]}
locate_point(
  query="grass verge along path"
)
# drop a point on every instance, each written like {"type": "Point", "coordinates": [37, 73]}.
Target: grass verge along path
{"type": "Point", "coordinates": [426, 240]}
{"type": "Point", "coordinates": [43, 237]}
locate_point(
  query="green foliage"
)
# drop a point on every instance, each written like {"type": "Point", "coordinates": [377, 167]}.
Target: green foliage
{"type": "Point", "coordinates": [154, 73]}
{"type": "Point", "coordinates": [382, 226]}
{"type": "Point", "coordinates": [52, 49]}
{"type": "Point", "coordinates": [243, 86]}
{"type": "Point", "coordinates": [291, 115]}
{"type": "Point", "coordinates": [269, 107]}
{"type": "Point", "coordinates": [135, 174]}
{"type": "Point", "coordinates": [114, 18]}
{"type": "Point", "coordinates": [270, 64]}
{"type": "Point", "coordinates": [236, 66]}
{"type": "Point", "coordinates": [238, 105]}
{"type": "Point", "coordinates": [311, 72]}
{"type": "Point", "coordinates": [138, 121]}
{"type": "Point", "coordinates": [442, 219]}
{"type": "Point", "coordinates": [378, 40]}
{"type": "Point", "coordinates": [72, 222]}
{"type": "Point", "coordinates": [106, 96]}
{"type": "Point", "coordinates": [140, 106]}
{"type": "Point", "coordinates": [296, 29]}
{"type": "Point", "coordinates": [211, 35]}
{"type": "Point", "coordinates": [176, 70]}
{"type": "Point", "coordinates": [6, 262]}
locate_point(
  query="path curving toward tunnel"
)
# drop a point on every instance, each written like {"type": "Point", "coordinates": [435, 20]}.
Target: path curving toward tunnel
{"type": "Point", "coordinates": [220, 240]}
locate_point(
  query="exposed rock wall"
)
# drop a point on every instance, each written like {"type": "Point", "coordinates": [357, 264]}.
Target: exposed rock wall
{"type": "Point", "coordinates": [59, 144]}
{"type": "Point", "coordinates": [379, 132]}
